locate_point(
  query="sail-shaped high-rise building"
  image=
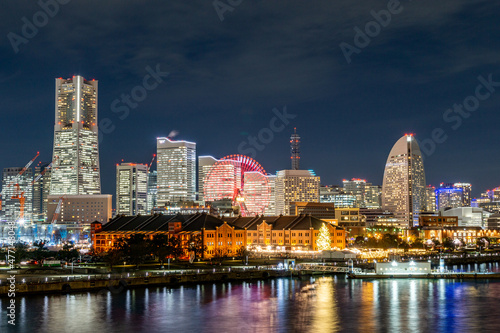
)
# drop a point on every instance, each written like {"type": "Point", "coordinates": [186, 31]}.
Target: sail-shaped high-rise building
{"type": "Point", "coordinates": [76, 170]}
{"type": "Point", "coordinates": [403, 189]}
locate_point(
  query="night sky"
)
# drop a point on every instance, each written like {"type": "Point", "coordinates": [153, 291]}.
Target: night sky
{"type": "Point", "coordinates": [226, 77]}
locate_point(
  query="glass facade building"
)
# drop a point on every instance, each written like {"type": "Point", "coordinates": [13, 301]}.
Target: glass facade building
{"type": "Point", "coordinates": [131, 189]}
{"type": "Point", "coordinates": [76, 170]}
{"type": "Point", "coordinates": [11, 207]}
{"type": "Point", "coordinates": [176, 171]}
{"type": "Point", "coordinates": [204, 165]}
{"type": "Point", "coordinates": [152, 190]}
{"type": "Point", "coordinates": [41, 190]}
{"type": "Point", "coordinates": [449, 198]}
{"type": "Point", "coordinates": [295, 186]}
{"type": "Point", "coordinates": [403, 189]}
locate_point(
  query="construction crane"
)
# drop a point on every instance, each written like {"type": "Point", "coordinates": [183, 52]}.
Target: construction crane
{"type": "Point", "coordinates": [19, 195]}
{"type": "Point", "coordinates": [15, 181]}
{"type": "Point", "coordinates": [152, 160]}
{"type": "Point", "coordinates": [57, 211]}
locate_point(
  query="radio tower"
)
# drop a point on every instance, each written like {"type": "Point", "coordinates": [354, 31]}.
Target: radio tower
{"type": "Point", "coordinates": [295, 149]}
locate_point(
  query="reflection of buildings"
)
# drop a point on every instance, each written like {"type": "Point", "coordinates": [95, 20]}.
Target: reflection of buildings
{"type": "Point", "coordinates": [403, 190]}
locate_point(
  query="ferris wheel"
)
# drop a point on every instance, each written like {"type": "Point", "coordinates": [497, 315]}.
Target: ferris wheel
{"type": "Point", "coordinates": [241, 179]}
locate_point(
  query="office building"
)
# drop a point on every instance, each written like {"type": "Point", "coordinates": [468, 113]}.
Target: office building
{"type": "Point", "coordinates": [204, 165]}
{"type": "Point", "coordinates": [356, 187]}
{"type": "Point", "coordinates": [366, 194]}
{"type": "Point", "coordinates": [270, 210]}
{"type": "Point", "coordinates": [467, 216]}
{"type": "Point", "coordinates": [256, 193]}
{"type": "Point", "coordinates": [76, 170]}
{"type": "Point", "coordinates": [79, 209]}
{"type": "Point", "coordinates": [403, 189]}
{"type": "Point", "coordinates": [449, 197]}
{"type": "Point", "coordinates": [131, 189]}
{"type": "Point", "coordinates": [466, 193]}
{"type": "Point", "coordinates": [152, 190]}
{"type": "Point", "coordinates": [176, 168]}
{"type": "Point", "coordinates": [41, 190]}
{"type": "Point", "coordinates": [17, 191]}
{"type": "Point", "coordinates": [373, 196]}
{"type": "Point", "coordinates": [430, 198]}
{"type": "Point", "coordinates": [295, 186]}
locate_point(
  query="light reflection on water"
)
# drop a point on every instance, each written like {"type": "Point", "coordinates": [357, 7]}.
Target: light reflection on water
{"type": "Point", "coordinates": [323, 304]}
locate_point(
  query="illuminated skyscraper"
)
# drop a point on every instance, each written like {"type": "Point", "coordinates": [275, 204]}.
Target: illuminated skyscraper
{"type": "Point", "coordinates": [430, 198]}
{"type": "Point", "coordinates": [41, 190]}
{"type": "Point", "coordinates": [152, 190]}
{"type": "Point", "coordinates": [270, 210]}
{"type": "Point", "coordinates": [403, 189]}
{"type": "Point", "coordinates": [176, 170]}
{"type": "Point", "coordinates": [295, 150]}
{"type": "Point", "coordinates": [448, 197]}
{"type": "Point", "coordinates": [76, 171]}
{"type": "Point", "coordinates": [356, 187]}
{"type": "Point", "coordinates": [295, 186]}
{"type": "Point", "coordinates": [204, 165]}
{"type": "Point", "coordinates": [131, 189]}
{"type": "Point", "coordinates": [11, 207]}
{"type": "Point", "coordinates": [257, 192]}
{"type": "Point", "coordinates": [466, 193]}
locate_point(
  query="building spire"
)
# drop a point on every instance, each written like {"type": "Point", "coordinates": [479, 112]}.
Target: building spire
{"type": "Point", "coordinates": [295, 149]}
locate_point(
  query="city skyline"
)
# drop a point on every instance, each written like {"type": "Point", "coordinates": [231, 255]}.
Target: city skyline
{"type": "Point", "coordinates": [176, 138]}
{"type": "Point", "coordinates": [228, 76]}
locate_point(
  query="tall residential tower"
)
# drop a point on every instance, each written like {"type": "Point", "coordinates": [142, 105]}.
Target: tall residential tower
{"type": "Point", "coordinates": [76, 171]}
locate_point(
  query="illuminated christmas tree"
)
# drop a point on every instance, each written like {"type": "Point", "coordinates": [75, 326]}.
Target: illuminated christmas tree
{"type": "Point", "coordinates": [323, 240]}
